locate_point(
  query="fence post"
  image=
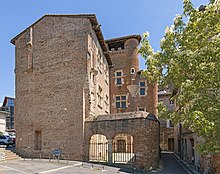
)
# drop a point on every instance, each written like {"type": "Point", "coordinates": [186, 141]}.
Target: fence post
{"type": "Point", "coordinates": [40, 155]}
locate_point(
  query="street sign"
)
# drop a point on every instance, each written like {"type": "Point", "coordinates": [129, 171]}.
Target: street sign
{"type": "Point", "coordinates": [57, 152]}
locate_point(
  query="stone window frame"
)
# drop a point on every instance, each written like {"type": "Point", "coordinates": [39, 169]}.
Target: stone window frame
{"type": "Point", "coordinates": [132, 70]}
{"type": "Point", "coordinates": [106, 103]}
{"type": "Point", "coordinates": [121, 102]}
{"type": "Point", "coordinates": [169, 123]}
{"type": "Point", "coordinates": [142, 88]}
{"type": "Point", "coordinates": [99, 60]}
{"type": "Point", "coordinates": [99, 96]}
{"type": "Point", "coordinates": [29, 46]}
{"type": "Point", "coordinates": [119, 77]}
{"type": "Point", "coordinates": [106, 73]}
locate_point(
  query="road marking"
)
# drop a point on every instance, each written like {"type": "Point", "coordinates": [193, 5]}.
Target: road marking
{"type": "Point", "coordinates": [10, 168]}
{"type": "Point", "coordinates": [53, 170]}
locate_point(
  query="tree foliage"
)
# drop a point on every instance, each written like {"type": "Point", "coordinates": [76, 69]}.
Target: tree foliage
{"type": "Point", "coordinates": [190, 59]}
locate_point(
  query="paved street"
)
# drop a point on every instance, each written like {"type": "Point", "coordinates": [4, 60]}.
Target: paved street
{"type": "Point", "coordinates": [170, 166]}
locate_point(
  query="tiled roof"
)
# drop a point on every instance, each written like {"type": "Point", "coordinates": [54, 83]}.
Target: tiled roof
{"type": "Point", "coordinates": [123, 116]}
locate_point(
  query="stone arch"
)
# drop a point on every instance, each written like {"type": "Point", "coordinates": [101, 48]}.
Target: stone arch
{"type": "Point", "coordinates": [98, 148]}
{"type": "Point", "coordinates": [122, 148]}
{"type": "Point", "coordinates": [123, 143]}
{"type": "Point", "coordinates": [142, 126]}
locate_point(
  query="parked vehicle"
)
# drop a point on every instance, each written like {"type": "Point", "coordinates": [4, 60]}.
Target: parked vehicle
{"type": "Point", "coordinates": [11, 135]}
{"type": "Point", "coordinates": [6, 140]}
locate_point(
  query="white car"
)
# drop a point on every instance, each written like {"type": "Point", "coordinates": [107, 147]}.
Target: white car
{"type": "Point", "coordinates": [5, 140]}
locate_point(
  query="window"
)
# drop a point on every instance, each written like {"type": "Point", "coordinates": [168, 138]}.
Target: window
{"type": "Point", "coordinates": [119, 77]}
{"type": "Point", "coordinates": [169, 123]}
{"type": "Point", "coordinates": [141, 109]}
{"type": "Point", "coordinates": [132, 70]}
{"type": "Point", "coordinates": [10, 102]}
{"type": "Point", "coordinates": [106, 102]}
{"type": "Point", "coordinates": [38, 140]}
{"type": "Point", "coordinates": [99, 95]}
{"type": "Point", "coordinates": [99, 61]}
{"type": "Point", "coordinates": [106, 73]}
{"type": "Point", "coordinates": [142, 88]}
{"type": "Point", "coordinates": [172, 102]}
{"type": "Point", "coordinates": [121, 101]}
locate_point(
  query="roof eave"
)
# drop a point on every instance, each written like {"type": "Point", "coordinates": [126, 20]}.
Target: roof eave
{"type": "Point", "coordinates": [124, 38]}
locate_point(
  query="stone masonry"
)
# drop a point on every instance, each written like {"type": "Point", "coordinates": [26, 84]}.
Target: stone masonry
{"type": "Point", "coordinates": [143, 127]}
{"type": "Point", "coordinates": [124, 54]}
{"type": "Point", "coordinates": [64, 78]}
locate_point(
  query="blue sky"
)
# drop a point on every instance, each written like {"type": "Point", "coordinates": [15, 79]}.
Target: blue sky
{"type": "Point", "coordinates": [117, 17]}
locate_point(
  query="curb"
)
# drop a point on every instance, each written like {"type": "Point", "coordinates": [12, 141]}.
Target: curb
{"type": "Point", "coordinates": [189, 169]}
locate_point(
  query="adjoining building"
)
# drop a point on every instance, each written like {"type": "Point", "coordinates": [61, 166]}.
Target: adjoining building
{"type": "Point", "coordinates": [83, 94]}
{"type": "Point", "coordinates": [166, 125]}
{"type": "Point", "coordinates": [7, 111]}
{"type": "Point", "coordinates": [2, 122]}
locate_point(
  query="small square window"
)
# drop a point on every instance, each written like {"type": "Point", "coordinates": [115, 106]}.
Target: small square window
{"type": "Point", "coordinates": [141, 109]}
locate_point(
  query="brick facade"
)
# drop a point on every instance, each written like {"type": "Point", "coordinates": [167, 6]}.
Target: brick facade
{"type": "Point", "coordinates": [52, 95]}
{"type": "Point", "coordinates": [139, 94]}
{"type": "Point", "coordinates": [64, 77]}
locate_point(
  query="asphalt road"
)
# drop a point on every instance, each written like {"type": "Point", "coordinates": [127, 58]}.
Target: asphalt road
{"type": "Point", "coordinates": [170, 166]}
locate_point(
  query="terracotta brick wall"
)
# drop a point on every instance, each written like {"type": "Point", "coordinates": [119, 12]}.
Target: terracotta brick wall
{"type": "Point", "coordinates": [53, 96]}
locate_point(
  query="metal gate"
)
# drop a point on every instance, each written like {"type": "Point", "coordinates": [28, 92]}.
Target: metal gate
{"type": "Point", "coordinates": [123, 152]}
{"type": "Point", "coordinates": [98, 152]}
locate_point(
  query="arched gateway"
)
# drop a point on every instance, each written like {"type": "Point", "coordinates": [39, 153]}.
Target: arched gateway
{"type": "Point", "coordinates": [123, 138]}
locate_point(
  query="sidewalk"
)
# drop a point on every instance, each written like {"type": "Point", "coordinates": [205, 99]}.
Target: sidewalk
{"type": "Point", "coordinates": [185, 165]}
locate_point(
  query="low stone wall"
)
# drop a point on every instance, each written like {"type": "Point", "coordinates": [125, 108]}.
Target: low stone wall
{"type": "Point", "coordinates": [142, 126]}
{"type": "Point", "coordinates": [210, 164]}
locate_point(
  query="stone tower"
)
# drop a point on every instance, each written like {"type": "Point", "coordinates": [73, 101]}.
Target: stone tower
{"type": "Point", "coordinates": [128, 89]}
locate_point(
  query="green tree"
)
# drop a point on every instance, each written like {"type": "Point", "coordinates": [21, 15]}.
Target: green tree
{"type": "Point", "coordinates": [190, 59]}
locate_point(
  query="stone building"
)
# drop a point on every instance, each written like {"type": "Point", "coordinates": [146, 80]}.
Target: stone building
{"type": "Point", "coordinates": [166, 126]}
{"type": "Point", "coordinates": [130, 92]}
{"type": "Point", "coordinates": [8, 108]}
{"type": "Point", "coordinates": [2, 121]}
{"type": "Point", "coordinates": [128, 89]}
{"type": "Point", "coordinates": [72, 84]}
